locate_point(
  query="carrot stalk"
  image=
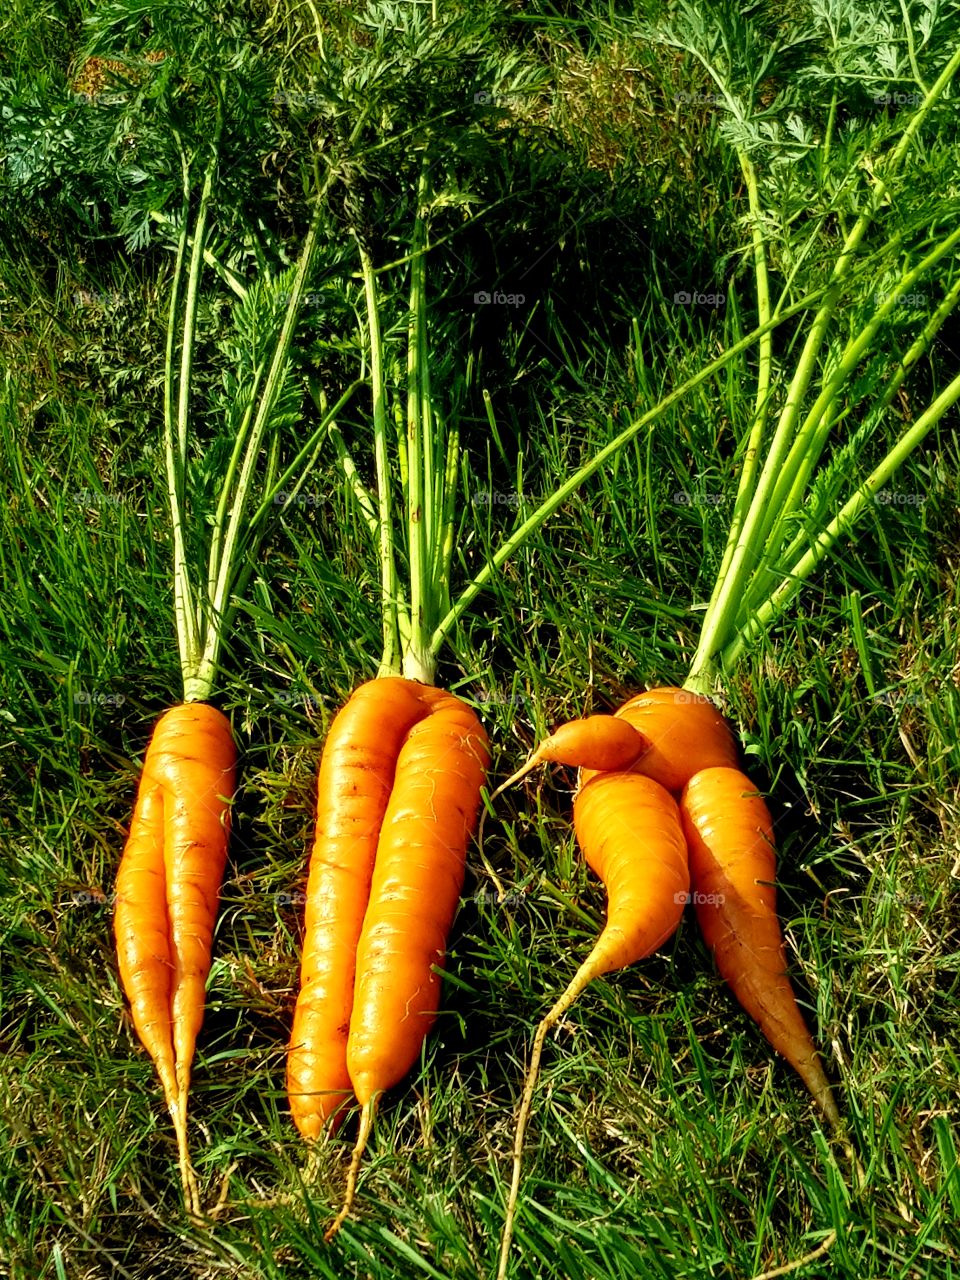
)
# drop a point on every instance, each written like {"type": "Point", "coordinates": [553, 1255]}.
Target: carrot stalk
{"type": "Point", "coordinates": [168, 881]}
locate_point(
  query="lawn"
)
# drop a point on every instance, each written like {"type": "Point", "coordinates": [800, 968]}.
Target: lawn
{"type": "Point", "coordinates": [593, 247]}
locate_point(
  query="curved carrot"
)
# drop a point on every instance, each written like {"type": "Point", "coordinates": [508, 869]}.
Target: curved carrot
{"type": "Point", "coordinates": [732, 868]}
{"type": "Point", "coordinates": [684, 731]}
{"type": "Point", "coordinates": [629, 829]}
{"type": "Point", "coordinates": [168, 887]}
{"type": "Point", "coordinates": [417, 878]}
{"type": "Point", "coordinates": [356, 776]}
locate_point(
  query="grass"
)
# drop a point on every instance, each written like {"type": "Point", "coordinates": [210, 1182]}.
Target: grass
{"type": "Point", "coordinates": [666, 1141]}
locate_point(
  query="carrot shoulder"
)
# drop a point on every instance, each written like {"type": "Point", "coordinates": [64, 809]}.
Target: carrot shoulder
{"type": "Point", "coordinates": [684, 733]}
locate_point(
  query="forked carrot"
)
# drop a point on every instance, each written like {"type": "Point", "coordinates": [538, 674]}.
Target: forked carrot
{"type": "Point", "coordinates": [732, 869]}
{"type": "Point", "coordinates": [417, 877]}
{"type": "Point", "coordinates": [357, 770]}
{"type": "Point", "coordinates": [629, 830]}
{"type": "Point", "coordinates": [168, 886]}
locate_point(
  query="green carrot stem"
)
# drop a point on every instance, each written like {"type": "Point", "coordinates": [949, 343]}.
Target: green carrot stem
{"type": "Point", "coordinates": [751, 459]}
{"type": "Point", "coordinates": [920, 345]}
{"type": "Point", "coordinates": [185, 616]}
{"type": "Point", "coordinates": [390, 660]}
{"type": "Point", "coordinates": [446, 538]}
{"type": "Point", "coordinates": [193, 299]}
{"type": "Point", "coordinates": [361, 494]}
{"type": "Point", "coordinates": [418, 662]}
{"type": "Point", "coordinates": [202, 682]}
{"type": "Point", "coordinates": [852, 510]}
{"type": "Point", "coordinates": [805, 451]}
{"type": "Point", "coordinates": [728, 592]}
{"type": "Point", "coordinates": [221, 518]}
{"type": "Point", "coordinates": [570, 486]}
{"type": "Point", "coordinates": [295, 474]}
{"type": "Point", "coordinates": [229, 277]}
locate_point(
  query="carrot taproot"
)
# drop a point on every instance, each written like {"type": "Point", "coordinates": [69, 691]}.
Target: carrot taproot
{"type": "Point", "coordinates": [628, 827]}
{"type": "Point", "coordinates": [684, 733]}
{"type": "Point", "coordinates": [417, 877]}
{"type": "Point", "coordinates": [729, 835]}
{"type": "Point", "coordinates": [167, 891]}
{"type": "Point", "coordinates": [597, 742]}
{"type": "Point", "coordinates": [356, 776]}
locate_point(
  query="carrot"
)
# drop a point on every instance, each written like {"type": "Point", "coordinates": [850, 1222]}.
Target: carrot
{"type": "Point", "coordinates": [684, 733]}
{"type": "Point", "coordinates": [417, 878]}
{"type": "Point", "coordinates": [167, 890]}
{"type": "Point", "coordinates": [595, 742]}
{"type": "Point", "coordinates": [629, 829]}
{"type": "Point", "coordinates": [732, 868]}
{"type": "Point", "coordinates": [170, 872]}
{"type": "Point", "coordinates": [356, 776]}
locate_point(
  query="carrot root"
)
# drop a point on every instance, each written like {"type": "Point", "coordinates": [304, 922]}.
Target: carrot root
{"type": "Point", "coordinates": [363, 1137]}
{"type": "Point", "coordinates": [589, 970]}
{"type": "Point", "coordinates": [188, 1178]}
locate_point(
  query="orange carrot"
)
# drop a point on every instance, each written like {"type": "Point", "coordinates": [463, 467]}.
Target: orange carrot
{"type": "Point", "coordinates": [356, 776]}
{"type": "Point", "coordinates": [629, 829]}
{"type": "Point", "coordinates": [732, 868]}
{"type": "Point", "coordinates": [168, 887]}
{"type": "Point", "coordinates": [417, 878]}
{"type": "Point", "coordinates": [594, 742]}
{"type": "Point", "coordinates": [684, 733]}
